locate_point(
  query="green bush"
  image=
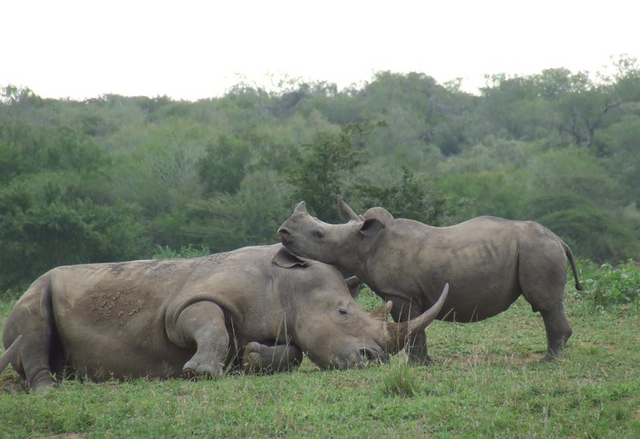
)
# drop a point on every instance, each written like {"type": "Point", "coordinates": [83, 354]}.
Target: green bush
{"type": "Point", "coordinates": [613, 287]}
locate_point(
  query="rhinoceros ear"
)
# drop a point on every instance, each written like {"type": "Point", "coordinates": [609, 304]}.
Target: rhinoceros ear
{"type": "Point", "coordinates": [354, 285]}
{"type": "Point", "coordinates": [380, 214]}
{"type": "Point", "coordinates": [287, 260]}
{"type": "Point", "coordinates": [375, 219]}
{"type": "Point", "coordinates": [371, 226]}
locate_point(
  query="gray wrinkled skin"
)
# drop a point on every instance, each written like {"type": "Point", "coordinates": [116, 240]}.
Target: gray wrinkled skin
{"type": "Point", "coordinates": [489, 262]}
{"type": "Point", "coordinates": [256, 307]}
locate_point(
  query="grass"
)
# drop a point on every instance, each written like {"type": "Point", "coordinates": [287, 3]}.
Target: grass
{"type": "Point", "coordinates": [400, 378]}
{"type": "Point", "coordinates": [486, 380]}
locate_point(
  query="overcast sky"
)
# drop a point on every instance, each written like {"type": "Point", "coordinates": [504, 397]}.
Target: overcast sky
{"type": "Point", "coordinates": [196, 49]}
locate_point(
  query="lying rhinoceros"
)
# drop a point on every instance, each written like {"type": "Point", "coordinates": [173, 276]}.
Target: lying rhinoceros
{"type": "Point", "coordinates": [488, 261]}
{"type": "Point", "coordinates": [160, 317]}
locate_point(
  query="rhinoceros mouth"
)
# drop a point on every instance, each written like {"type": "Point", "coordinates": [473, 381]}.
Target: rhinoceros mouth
{"type": "Point", "coordinates": [286, 237]}
{"type": "Point", "coordinates": [372, 354]}
{"type": "Point", "coordinates": [363, 356]}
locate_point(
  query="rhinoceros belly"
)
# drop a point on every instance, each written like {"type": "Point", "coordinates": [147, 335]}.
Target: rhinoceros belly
{"type": "Point", "coordinates": [480, 292]}
{"type": "Point", "coordinates": [115, 330]}
{"type": "Point", "coordinates": [482, 272]}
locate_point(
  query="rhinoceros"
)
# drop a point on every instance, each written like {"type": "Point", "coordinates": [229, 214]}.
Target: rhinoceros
{"type": "Point", "coordinates": [488, 261]}
{"type": "Point", "coordinates": [257, 307]}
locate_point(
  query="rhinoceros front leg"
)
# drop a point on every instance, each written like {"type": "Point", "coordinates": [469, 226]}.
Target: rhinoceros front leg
{"type": "Point", "coordinates": [202, 324]}
{"type": "Point", "coordinates": [259, 358]}
{"type": "Point", "coordinates": [402, 311]}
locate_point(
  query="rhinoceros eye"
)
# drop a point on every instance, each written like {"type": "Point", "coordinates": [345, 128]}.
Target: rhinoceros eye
{"type": "Point", "coordinates": [343, 312]}
{"type": "Point", "coordinates": [318, 233]}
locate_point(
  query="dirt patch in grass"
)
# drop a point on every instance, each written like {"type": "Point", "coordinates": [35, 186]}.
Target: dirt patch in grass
{"type": "Point", "coordinates": [66, 436]}
{"type": "Point", "coordinates": [600, 344]}
{"type": "Point", "coordinates": [494, 358]}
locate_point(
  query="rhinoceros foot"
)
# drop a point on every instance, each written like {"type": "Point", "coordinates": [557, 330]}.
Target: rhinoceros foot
{"type": "Point", "coordinates": [200, 368]}
{"type": "Point", "coordinates": [252, 358]}
{"type": "Point", "coordinates": [258, 358]}
{"type": "Point", "coordinates": [43, 386]}
{"type": "Point", "coordinates": [550, 358]}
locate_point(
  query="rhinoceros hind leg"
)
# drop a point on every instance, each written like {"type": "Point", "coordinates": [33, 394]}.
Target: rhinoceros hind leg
{"type": "Point", "coordinates": [34, 359]}
{"type": "Point", "coordinates": [202, 324]}
{"type": "Point", "coordinates": [558, 330]}
{"type": "Point", "coordinates": [543, 275]}
{"type": "Point", "coordinates": [259, 358]}
{"type": "Point", "coordinates": [551, 306]}
{"type": "Point", "coordinates": [33, 318]}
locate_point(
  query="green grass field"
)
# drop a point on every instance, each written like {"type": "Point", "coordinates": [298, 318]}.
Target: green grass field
{"type": "Point", "coordinates": [486, 380]}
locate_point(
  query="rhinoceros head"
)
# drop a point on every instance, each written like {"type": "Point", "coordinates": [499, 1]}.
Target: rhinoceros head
{"type": "Point", "coordinates": [343, 245]}
{"type": "Point", "coordinates": [333, 329]}
{"type": "Point", "coordinates": [330, 326]}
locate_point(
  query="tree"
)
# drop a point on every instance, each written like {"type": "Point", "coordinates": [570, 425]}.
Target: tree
{"type": "Point", "coordinates": [250, 216]}
{"type": "Point", "coordinates": [321, 173]}
{"type": "Point", "coordinates": [41, 229]}
{"type": "Point", "coordinates": [412, 198]}
{"type": "Point", "coordinates": [573, 104]}
{"type": "Point", "coordinates": [590, 230]}
{"type": "Point", "coordinates": [224, 165]}
{"type": "Point", "coordinates": [512, 106]}
{"type": "Point", "coordinates": [574, 170]}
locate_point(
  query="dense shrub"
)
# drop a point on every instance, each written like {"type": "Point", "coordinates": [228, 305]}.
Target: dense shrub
{"type": "Point", "coordinates": [613, 287]}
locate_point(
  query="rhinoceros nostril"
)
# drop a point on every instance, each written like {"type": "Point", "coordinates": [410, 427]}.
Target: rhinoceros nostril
{"type": "Point", "coordinates": [282, 231]}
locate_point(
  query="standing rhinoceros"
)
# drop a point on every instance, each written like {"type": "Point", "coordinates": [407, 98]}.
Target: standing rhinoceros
{"type": "Point", "coordinates": [488, 261]}
{"type": "Point", "coordinates": [159, 317]}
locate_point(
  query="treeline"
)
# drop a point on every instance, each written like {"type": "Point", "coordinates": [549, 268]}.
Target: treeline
{"type": "Point", "coordinates": [113, 178]}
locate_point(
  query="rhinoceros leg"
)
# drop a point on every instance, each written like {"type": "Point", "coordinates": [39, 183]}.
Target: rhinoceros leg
{"type": "Point", "coordinates": [542, 276]}
{"type": "Point", "coordinates": [558, 330]}
{"type": "Point", "coordinates": [402, 311]}
{"type": "Point", "coordinates": [202, 324]}
{"type": "Point", "coordinates": [259, 358]}
{"type": "Point", "coordinates": [33, 318]}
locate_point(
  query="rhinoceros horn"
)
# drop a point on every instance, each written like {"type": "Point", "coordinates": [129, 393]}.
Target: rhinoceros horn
{"type": "Point", "coordinates": [346, 212]}
{"type": "Point", "coordinates": [400, 333]}
{"type": "Point", "coordinates": [419, 324]}
{"type": "Point", "coordinates": [382, 312]}
{"type": "Point", "coordinates": [301, 207]}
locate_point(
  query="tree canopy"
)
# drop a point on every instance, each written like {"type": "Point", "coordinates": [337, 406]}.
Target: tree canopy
{"type": "Point", "coordinates": [112, 178]}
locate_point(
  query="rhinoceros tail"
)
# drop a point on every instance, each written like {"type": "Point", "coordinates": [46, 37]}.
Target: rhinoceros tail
{"type": "Point", "coordinates": [8, 355]}
{"type": "Point", "coordinates": [572, 262]}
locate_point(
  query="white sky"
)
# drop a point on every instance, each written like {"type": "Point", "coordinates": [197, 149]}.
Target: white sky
{"type": "Point", "coordinates": [189, 49]}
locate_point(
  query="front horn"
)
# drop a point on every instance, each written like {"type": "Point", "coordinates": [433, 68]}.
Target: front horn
{"type": "Point", "coordinates": [400, 333]}
{"type": "Point", "coordinates": [301, 207]}
{"type": "Point", "coordinates": [419, 324]}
